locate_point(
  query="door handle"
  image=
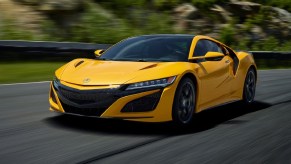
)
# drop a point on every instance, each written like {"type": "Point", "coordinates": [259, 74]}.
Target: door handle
{"type": "Point", "coordinates": [227, 61]}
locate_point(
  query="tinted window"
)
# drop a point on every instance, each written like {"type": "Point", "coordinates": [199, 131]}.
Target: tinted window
{"type": "Point", "coordinates": [204, 46]}
{"type": "Point", "coordinates": [150, 48]}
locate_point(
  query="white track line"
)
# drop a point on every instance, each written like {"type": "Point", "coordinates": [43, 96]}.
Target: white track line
{"type": "Point", "coordinates": [38, 82]}
{"type": "Point", "coordinates": [278, 69]}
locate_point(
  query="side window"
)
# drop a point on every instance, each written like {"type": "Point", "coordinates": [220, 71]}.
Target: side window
{"type": "Point", "coordinates": [203, 46]}
{"type": "Point", "coordinates": [214, 47]}
{"type": "Point", "coordinates": [200, 48]}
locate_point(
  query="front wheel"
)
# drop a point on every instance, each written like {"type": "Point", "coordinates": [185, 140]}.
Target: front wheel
{"type": "Point", "coordinates": [184, 102]}
{"type": "Point", "coordinates": [249, 87]}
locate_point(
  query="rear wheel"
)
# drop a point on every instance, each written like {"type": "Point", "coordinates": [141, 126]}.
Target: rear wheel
{"type": "Point", "coordinates": [249, 87]}
{"type": "Point", "coordinates": [184, 102]}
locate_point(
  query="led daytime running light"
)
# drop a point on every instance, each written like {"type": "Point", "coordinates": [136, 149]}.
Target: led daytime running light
{"type": "Point", "coordinates": [152, 83]}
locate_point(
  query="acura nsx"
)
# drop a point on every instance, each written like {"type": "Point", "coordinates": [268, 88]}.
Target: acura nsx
{"type": "Point", "coordinates": [155, 78]}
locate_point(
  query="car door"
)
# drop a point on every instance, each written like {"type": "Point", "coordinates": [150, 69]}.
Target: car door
{"type": "Point", "coordinates": [214, 75]}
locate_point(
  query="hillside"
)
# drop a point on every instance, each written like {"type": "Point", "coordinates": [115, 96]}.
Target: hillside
{"type": "Point", "coordinates": [251, 25]}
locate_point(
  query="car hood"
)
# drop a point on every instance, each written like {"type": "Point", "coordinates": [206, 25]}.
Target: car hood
{"type": "Point", "coordinates": [95, 72]}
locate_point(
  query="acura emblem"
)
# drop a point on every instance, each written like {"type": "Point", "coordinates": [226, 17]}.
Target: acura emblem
{"type": "Point", "coordinates": [86, 80]}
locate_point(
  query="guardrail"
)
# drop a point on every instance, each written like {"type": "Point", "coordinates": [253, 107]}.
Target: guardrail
{"type": "Point", "coordinates": [65, 51]}
{"type": "Point", "coordinates": [40, 50]}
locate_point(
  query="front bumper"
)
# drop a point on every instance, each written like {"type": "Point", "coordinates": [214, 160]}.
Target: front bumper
{"type": "Point", "coordinates": [150, 105]}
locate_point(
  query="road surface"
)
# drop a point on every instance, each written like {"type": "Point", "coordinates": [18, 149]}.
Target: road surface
{"type": "Point", "coordinates": [261, 133]}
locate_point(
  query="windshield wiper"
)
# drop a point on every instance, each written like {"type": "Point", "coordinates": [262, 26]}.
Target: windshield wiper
{"type": "Point", "coordinates": [140, 60]}
{"type": "Point", "coordinates": [125, 59]}
{"type": "Point", "coordinates": [102, 59]}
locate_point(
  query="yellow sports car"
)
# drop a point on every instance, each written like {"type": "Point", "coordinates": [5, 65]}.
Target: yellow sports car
{"type": "Point", "coordinates": [155, 78]}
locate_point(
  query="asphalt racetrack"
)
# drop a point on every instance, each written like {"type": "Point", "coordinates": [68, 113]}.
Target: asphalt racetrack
{"type": "Point", "coordinates": [261, 133]}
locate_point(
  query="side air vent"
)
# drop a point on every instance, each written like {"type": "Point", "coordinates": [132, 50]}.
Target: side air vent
{"type": "Point", "coordinates": [78, 63]}
{"type": "Point", "coordinates": [150, 66]}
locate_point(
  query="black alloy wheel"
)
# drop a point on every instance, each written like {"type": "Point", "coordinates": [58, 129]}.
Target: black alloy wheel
{"type": "Point", "coordinates": [184, 102]}
{"type": "Point", "coordinates": [249, 87]}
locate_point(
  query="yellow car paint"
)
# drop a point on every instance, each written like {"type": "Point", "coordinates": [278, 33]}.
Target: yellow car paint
{"type": "Point", "coordinates": [215, 81]}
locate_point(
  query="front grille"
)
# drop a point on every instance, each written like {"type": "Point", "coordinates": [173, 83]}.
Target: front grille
{"type": "Point", "coordinates": [85, 97]}
{"type": "Point", "coordinates": [143, 104]}
{"type": "Point", "coordinates": [83, 111]}
{"type": "Point", "coordinates": [85, 102]}
{"type": "Point", "coordinates": [95, 102]}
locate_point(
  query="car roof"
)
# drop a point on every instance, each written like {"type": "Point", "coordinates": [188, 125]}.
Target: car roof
{"type": "Point", "coordinates": [166, 35]}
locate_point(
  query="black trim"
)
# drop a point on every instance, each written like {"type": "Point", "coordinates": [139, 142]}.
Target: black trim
{"type": "Point", "coordinates": [143, 104]}
{"type": "Point", "coordinates": [117, 118]}
{"type": "Point", "coordinates": [53, 96]}
{"type": "Point", "coordinates": [94, 111]}
{"type": "Point", "coordinates": [130, 117]}
{"type": "Point", "coordinates": [91, 102]}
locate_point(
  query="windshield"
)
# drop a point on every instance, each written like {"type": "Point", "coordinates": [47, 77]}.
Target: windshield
{"type": "Point", "coordinates": [150, 48]}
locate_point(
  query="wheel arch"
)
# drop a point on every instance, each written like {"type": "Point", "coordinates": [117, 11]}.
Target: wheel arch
{"type": "Point", "coordinates": [193, 77]}
{"type": "Point", "coordinates": [251, 67]}
{"type": "Point", "coordinates": [189, 75]}
{"type": "Point", "coordinates": [255, 70]}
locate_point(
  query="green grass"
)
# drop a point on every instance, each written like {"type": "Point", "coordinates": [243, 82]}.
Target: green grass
{"type": "Point", "coordinates": [27, 71]}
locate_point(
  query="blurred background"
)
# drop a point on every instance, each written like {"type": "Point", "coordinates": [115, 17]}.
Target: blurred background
{"type": "Point", "coordinates": [257, 25]}
{"type": "Point", "coordinates": [251, 25]}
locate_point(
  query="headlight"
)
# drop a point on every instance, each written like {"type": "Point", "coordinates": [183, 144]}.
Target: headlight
{"type": "Point", "coordinates": [152, 83]}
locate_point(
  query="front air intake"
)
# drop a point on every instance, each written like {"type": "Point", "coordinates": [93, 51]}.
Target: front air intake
{"type": "Point", "coordinates": [143, 104]}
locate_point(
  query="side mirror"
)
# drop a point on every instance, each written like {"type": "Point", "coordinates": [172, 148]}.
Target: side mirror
{"type": "Point", "coordinates": [209, 56]}
{"type": "Point", "coordinates": [98, 53]}
{"type": "Point", "coordinates": [214, 56]}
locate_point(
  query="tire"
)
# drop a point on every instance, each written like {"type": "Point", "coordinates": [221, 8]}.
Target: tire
{"type": "Point", "coordinates": [249, 91]}
{"type": "Point", "coordinates": [184, 102]}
